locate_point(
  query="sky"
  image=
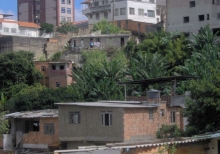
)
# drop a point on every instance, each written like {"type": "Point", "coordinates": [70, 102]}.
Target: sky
{"type": "Point", "coordinates": [10, 7]}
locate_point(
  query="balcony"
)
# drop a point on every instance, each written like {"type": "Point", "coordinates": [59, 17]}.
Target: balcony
{"type": "Point", "coordinates": [97, 9]}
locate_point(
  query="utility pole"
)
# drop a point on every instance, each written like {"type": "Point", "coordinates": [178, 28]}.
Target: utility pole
{"type": "Point", "coordinates": [113, 10]}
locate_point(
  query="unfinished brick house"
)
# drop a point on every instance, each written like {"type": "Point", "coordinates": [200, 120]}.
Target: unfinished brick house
{"type": "Point", "coordinates": [32, 130]}
{"type": "Point", "coordinates": [56, 73]}
{"type": "Point", "coordinates": [118, 121]}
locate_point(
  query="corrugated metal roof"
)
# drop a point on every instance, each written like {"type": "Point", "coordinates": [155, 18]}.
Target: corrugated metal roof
{"type": "Point", "coordinates": [113, 104]}
{"type": "Point", "coordinates": [33, 114]}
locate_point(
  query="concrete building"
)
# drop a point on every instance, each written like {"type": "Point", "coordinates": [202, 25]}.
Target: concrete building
{"type": "Point", "coordinates": [10, 27]}
{"type": "Point", "coordinates": [46, 11]}
{"type": "Point", "coordinates": [32, 130]}
{"type": "Point", "coordinates": [188, 16]}
{"type": "Point", "coordinates": [56, 73]}
{"type": "Point", "coordinates": [98, 123]}
{"type": "Point", "coordinates": [117, 10]}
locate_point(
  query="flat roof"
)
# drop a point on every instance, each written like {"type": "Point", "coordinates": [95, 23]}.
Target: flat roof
{"type": "Point", "coordinates": [114, 104]}
{"type": "Point", "coordinates": [33, 114]}
{"type": "Point", "coordinates": [160, 80]}
{"type": "Point", "coordinates": [104, 35]}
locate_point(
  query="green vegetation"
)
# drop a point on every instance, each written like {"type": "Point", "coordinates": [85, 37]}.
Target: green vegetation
{"type": "Point", "coordinates": [47, 28]}
{"type": "Point", "coordinates": [168, 131]}
{"type": "Point", "coordinates": [107, 28]}
{"type": "Point", "coordinates": [159, 54]}
{"type": "Point", "coordinates": [56, 56]}
{"type": "Point", "coordinates": [66, 27]}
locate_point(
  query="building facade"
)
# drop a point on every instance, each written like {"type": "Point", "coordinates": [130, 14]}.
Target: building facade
{"type": "Point", "coordinates": [55, 73]}
{"type": "Point", "coordinates": [10, 27]}
{"type": "Point", "coordinates": [98, 123]}
{"type": "Point", "coordinates": [189, 16]}
{"type": "Point", "coordinates": [117, 10]}
{"type": "Point", "coordinates": [46, 11]}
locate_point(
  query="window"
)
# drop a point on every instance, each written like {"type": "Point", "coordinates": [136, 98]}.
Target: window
{"type": "Point", "coordinates": [201, 17]}
{"type": "Point", "coordinates": [158, 20]}
{"type": "Point", "coordinates": [122, 11]}
{"type": "Point", "coordinates": [61, 67]}
{"type": "Point", "coordinates": [116, 12]}
{"type": "Point", "coordinates": [106, 118]}
{"type": "Point", "coordinates": [141, 12]}
{"type": "Point", "coordinates": [207, 16]}
{"type": "Point", "coordinates": [38, 2]}
{"type": "Point", "coordinates": [97, 16]}
{"type": "Point", "coordinates": [97, 39]}
{"type": "Point", "coordinates": [151, 114]}
{"type": "Point", "coordinates": [74, 117]}
{"type": "Point", "coordinates": [216, 31]}
{"type": "Point", "coordinates": [6, 30]}
{"type": "Point", "coordinates": [68, 19]}
{"type": "Point", "coordinates": [192, 4]}
{"type": "Point", "coordinates": [62, 1]}
{"type": "Point", "coordinates": [68, 11]}
{"type": "Point", "coordinates": [49, 128]}
{"type": "Point", "coordinates": [96, 3]}
{"type": "Point", "coordinates": [172, 116]}
{"type": "Point", "coordinates": [152, 1]}
{"type": "Point", "coordinates": [218, 15]}
{"type": "Point", "coordinates": [0, 26]}
{"type": "Point", "coordinates": [103, 2]}
{"type": "Point", "coordinates": [151, 13]}
{"type": "Point", "coordinates": [106, 15]}
{"type": "Point", "coordinates": [90, 16]}
{"type": "Point", "coordinates": [57, 84]}
{"type": "Point", "coordinates": [63, 19]}
{"type": "Point", "coordinates": [43, 68]}
{"type": "Point", "coordinates": [36, 126]}
{"type": "Point", "coordinates": [185, 19]}
{"type": "Point", "coordinates": [162, 112]}
{"type": "Point", "coordinates": [68, 1]}
{"type": "Point", "coordinates": [53, 67]}
{"type": "Point", "coordinates": [63, 10]}
{"type": "Point", "coordinates": [131, 10]}
{"type": "Point", "coordinates": [13, 30]}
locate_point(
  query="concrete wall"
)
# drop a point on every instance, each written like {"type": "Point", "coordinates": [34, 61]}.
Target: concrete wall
{"type": "Point", "coordinates": [137, 124]}
{"type": "Point", "coordinates": [90, 128]}
{"type": "Point", "coordinates": [213, 146]}
{"type": "Point", "coordinates": [177, 9]}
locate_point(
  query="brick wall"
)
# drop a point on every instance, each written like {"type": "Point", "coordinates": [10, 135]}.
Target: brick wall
{"type": "Point", "coordinates": [191, 148]}
{"type": "Point", "coordinates": [40, 137]}
{"type": "Point", "coordinates": [138, 125]}
{"type": "Point", "coordinates": [6, 152]}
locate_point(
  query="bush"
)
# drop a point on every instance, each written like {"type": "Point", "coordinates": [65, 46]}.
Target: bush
{"type": "Point", "coordinates": [168, 131]}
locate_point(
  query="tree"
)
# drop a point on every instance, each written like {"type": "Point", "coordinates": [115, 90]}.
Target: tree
{"type": "Point", "coordinates": [66, 27]}
{"type": "Point", "coordinates": [106, 27]}
{"type": "Point", "coordinates": [168, 131]}
{"type": "Point", "coordinates": [4, 125]}
{"type": "Point", "coordinates": [18, 67]}
{"type": "Point", "coordinates": [47, 28]}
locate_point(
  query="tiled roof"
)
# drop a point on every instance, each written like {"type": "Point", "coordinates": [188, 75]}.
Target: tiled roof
{"type": "Point", "coordinates": [21, 23]}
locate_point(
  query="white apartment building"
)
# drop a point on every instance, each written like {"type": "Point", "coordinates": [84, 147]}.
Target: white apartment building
{"type": "Point", "coordinates": [116, 10]}
{"type": "Point", "coordinates": [11, 27]}
{"type": "Point", "coordinates": [189, 16]}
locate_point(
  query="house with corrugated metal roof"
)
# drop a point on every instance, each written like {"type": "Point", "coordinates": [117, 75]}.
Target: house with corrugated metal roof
{"type": "Point", "coordinates": [32, 130]}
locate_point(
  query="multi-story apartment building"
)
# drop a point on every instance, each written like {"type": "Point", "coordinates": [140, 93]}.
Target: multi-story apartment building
{"type": "Point", "coordinates": [117, 10]}
{"type": "Point", "coordinates": [46, 11]}
{"type": "Point", "coordinates": [189, 16]}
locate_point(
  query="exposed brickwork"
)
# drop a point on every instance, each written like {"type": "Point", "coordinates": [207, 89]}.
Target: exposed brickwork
{"type": "Point", "coordinates": [6, 152]}
{"type": "Point", "coordinates": [40, 137]}
{"type": "Point", "coordinates": [137, 123]}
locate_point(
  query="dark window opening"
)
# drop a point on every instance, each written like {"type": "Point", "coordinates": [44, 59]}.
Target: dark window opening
{"type": "Point", "coordinates": [36, 126]}
{"type": "Point", "coordinates": [218, 15]}
{"type": "Point", "coordinates": [162, 112]}
{"type": "Point", "coordinates": [74, 117]}
{"type": "Point", "coordinates": [207, 16]}
{"type": "Point", "coordinates": [172, 116]}
{"type": "Point", "coordinates": [49, 128]}
{"type": "Point", "coordinates": [122, 41]}
{"type": "Point", "coordinates": [151, 114]}
{"type": "Point", "coordinates": [192, 3]}
{"type": "Point", "coordinates": [61, 67]}
{"type": "Point", "coordinates": [216, 31]}
{"type": "Point", "coordinates": [186, 34]}
{"type": "Point", "coordinates": [201, 17]}
{"type": "Point", "coordinates": [57, 84]}
{"type": "Point", "coordinates": [185, 19]}
{"type": "Point", "coordinates": [43, 68]}
{"type": "Point", "coordinates": [53, 67]}
{"type": "Point", "coordinates": [213, 1]}
{"type": "Point", "coordinates": [106, 118]}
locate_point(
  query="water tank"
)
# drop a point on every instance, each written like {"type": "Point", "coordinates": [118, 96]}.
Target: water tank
{"type": "Point", "coordinates": [153, 94]}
